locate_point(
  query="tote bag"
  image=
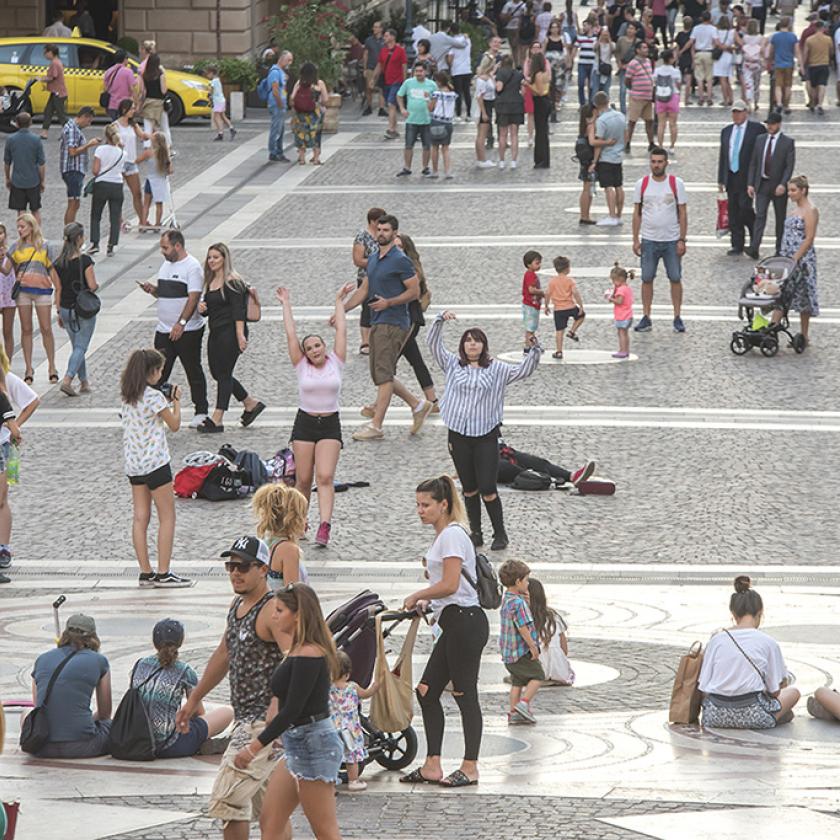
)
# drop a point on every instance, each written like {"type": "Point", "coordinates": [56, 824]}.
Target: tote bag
{"type": "Point", "coordinates": [685, 696]}
{"type": "Point", "coordinates": [392, 707]}
{"type": "Point", "coordinates": [555, 663]}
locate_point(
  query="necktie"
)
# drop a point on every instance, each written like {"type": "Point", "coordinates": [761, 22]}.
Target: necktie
{"type": "Point", "coordinates": [768, 155]}
{"type": "Point", "coordinates": [734, 164]}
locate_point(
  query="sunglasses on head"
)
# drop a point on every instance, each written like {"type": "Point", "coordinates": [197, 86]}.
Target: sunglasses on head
{"type": "Point", "coordinates": [243, 566]}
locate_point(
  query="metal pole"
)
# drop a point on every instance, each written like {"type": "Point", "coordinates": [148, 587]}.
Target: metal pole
{"type": "Point", "coordinates": [409, 25]}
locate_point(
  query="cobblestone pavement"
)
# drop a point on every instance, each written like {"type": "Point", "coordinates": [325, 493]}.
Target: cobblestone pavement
{"type": "Point", "coordinates": [723, 464]}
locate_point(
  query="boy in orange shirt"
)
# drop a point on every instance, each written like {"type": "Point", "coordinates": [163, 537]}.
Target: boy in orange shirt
{"type": "Point", "coordinates": [563, 293]}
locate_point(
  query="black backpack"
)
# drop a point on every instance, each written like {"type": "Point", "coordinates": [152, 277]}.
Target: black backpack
{"type": "Point", "coordinates": [254, 473]}
{"type": "Point", "coordinates": [527, 28]}
{"type": "Point", "coordinates": [132, 737]}
{"type": "Point", "coordinates": [222, 483]}
{"type": "Point", "coordinates": [487, 584]}
{"type": "Point", "coordinates": [531, 480]}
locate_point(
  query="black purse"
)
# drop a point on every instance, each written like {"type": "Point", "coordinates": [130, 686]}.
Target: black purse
{"type": "Point", "coordinates": [35, 729]}
{"type": "Point", "coordinates": [87, 303]}
{"type": "Point", "coordinates": [16, 285]}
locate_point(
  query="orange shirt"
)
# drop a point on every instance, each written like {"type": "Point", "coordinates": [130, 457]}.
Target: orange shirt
{"type": "Point", "coordinates": [560, 290]}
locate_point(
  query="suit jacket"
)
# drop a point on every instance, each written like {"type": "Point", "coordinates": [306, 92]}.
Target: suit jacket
{"type": "Point", "coordinates": [752, 132]}
{"type": "Point", "coordinates": [780, 170]}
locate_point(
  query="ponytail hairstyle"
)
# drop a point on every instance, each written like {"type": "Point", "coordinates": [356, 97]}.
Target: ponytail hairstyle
{"type": "Point", "coordinates": [745, 600]}
{"type": "Point", "coordinates": [310, 627]}
{"type": "Point", "coordinates": [71, 247]}
{"type": "Point", "coordinates": [545, 618]}
{"type": "Point", "coordinates": [135, 376]}
{"type": "Point", "coordinates": [443, 489]}
{"type": "Point", "coordinates": [622, 273]}
{"type": "Point", "coordinates": [112, 135]}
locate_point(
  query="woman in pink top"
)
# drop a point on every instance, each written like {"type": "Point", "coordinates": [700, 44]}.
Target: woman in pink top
{"type": "Point", "coordinates": [316, 434]}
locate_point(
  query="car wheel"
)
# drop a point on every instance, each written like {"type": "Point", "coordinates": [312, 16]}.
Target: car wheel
{"type": "Point", "coordinates": [176, 112]}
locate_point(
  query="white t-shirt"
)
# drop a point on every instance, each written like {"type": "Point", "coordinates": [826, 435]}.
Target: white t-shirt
{"type": "Point", "coordinates": [726, 670]}
{"type": "Point", "coordinates": [704, 35]}
{"type": "Point", "coordinates": [217, 92]}
{"type": "Point", "coordinates": [129, 140]}
{"type": "Point", "coordinates": [660, 221]}
{"type": "Point", "coordinates": [514, 8]}
{"type": "Point", "coordinates": [486, 89]}
{"type": "Point", "coordinates": [543, 21]}
{"type": "Point", "coordinates": [176, 280]}
{"type": "Point", "coordinates": [667, 80]}
{"type": "Point", "coordinates": [111, 159]}
{"type": "Point", "coordinates": [20, 396]}
{"type": "Point", "coordinates": [453, 541]}
{"type": "Point", "coordinates": [461, 60]}
{"type": "Point", "coordinates": [144, 436]}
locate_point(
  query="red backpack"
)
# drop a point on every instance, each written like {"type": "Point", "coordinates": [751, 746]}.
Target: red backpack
{"type": "Point", "coordinates": [189, 480]}
{"type": "Point", "coordinates": [304, 99]}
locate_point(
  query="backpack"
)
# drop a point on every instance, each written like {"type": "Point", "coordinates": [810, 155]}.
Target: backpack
{"type": "Point", "coordinates": [487, 584]}
{"type": "Point", "coordinates": [672, 183]}
{"type": "Point", "coordinates": [664, 87]}
{"type": "Point", "coordinates": [527, 28]}
{"type": "Point", "coordinates": [263, 89]}
{"type": "Point", "coordinates": [531, 480]}
{"type": "Point", "coordinates": [189, 480]}
{"type": "Point", "coordinates": [304, 99]}
{"type": "Point", "coordinates": [584, 153]}
{"type": "Point", "coordinates": [132, 737]}
{"type": "Point", "coordinates": [254, 473]}
{"type": "Point", "coordinates": [223, 482]}
{"type": "Point", "coordinates": [282, 466]}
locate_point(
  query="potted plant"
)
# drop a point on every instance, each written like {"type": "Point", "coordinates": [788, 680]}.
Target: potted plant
{"type": "Point", "coordinates": [317, 32]}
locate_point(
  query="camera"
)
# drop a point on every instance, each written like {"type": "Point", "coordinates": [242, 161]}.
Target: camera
{"type": "Point", "coordinates": [166, 389]}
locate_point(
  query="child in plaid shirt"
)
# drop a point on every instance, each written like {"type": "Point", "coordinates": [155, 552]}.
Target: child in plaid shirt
{"type": "Point", "coordinates": [518, 642]}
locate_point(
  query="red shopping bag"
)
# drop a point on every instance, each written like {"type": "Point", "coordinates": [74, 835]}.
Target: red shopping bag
{"type": "Point", "coordinates": [722, 226]}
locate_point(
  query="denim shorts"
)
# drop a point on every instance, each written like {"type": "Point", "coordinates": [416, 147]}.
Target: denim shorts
{"type": "Point", "coordinates": [623, 325]}
{"type": "Point", "coordinates": [413, 133]}
{"type": "Point", "coordinates": [130, 168]}
{"type": "Point", "coordinates": [187, 743]}
{"type": "Point", "coordinates": [653, 252]}
{"type": "Point", "coordinates": [530, 318]}
{"type": "Point", "coordinates": [74, 181]}
{"type": "Point", "coordinates": [314, 751]}
{"type": "Point", "coordinates": [390, 92]}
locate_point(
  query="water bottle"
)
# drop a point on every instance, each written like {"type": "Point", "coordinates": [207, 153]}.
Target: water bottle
{"type": "Point", "coordinates": [13, 465]}
{"type": "Point", "coordinates": [593, 189]}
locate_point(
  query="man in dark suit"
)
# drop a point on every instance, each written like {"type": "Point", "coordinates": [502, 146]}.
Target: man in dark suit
{"type": "Point", "coordinates": [770, 170]}
{"type": "Point", "coordinates": [737, 142]}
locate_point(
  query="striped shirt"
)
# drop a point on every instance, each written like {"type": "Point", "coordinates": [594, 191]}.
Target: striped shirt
{"type": "Point", "coordinates": [32, 266]}
{"type": "Point", "coordinates": [473, 400]}
{"type": "Point", "coordinates": [586, 48]}
{"type": "Point", "coordinates": [640, 75]}
{"type": "Point", "coordinates": [72, 138]}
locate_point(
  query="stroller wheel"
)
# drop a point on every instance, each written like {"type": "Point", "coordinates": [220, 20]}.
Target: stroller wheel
{"type": "Point", "coordinates": [398, 749]}
{"type": "Point", "coordinates": [770, 346]}
{"type": "Point", "coordinates": [738, 345]}
{"type": "Point", "coordinates": [799, 343]}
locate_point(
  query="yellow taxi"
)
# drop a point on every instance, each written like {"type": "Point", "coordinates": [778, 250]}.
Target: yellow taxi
{"type": "Point", "coordinates": [85, 61]}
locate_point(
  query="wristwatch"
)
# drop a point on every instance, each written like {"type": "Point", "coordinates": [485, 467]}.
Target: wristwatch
{"type": "Point", "coordinates": [182, 322]}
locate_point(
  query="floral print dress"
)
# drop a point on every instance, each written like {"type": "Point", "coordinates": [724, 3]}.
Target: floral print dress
{"type": "Point", "coordinates": [344, 707]}
{"type": "Point", "coordinates": [804, 298]}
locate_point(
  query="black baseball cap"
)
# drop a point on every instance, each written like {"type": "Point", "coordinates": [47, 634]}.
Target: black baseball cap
{"type": "Point", "coordinates": [168, 631]}
{"type": "Point", "coordinates": [249, 548]}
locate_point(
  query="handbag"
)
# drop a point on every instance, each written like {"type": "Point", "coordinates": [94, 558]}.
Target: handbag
{"type": "Point", "coordinates": [16, 285]}
{"type": "Point", "coordinates": [105, 96]}
{"type": "Point", "coordinates": [35, 729]}
{"type": "Point", "coordinates": [604, 68]}
{"type": "Point", "coordinates": [392, 707]}
{"type": "Point", "coordinates": [685, 695]}
{"type": "Point", "coordinates": [717, 52]}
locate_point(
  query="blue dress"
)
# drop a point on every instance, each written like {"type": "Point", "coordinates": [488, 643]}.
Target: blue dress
{"type": "Point", "coordinates": [805, 297]}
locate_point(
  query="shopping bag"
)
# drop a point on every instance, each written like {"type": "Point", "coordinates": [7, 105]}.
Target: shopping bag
{"type": "Point", "coordinates": [685, 696]}
{"type": "Point", "coordinates": [722, 225]}
{"type": "Point", "coordinates": [392, 707]}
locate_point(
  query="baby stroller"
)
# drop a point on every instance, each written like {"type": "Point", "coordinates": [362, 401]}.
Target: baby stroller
{"type": "Point", "coordinates": [771, 288]}
{"type": "Point", "coordinates": [352, 626]}
{"type": "Point", "coordinates": [12, 104]}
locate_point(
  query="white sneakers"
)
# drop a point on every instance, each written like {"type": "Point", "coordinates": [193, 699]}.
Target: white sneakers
{"type": "Point", "coordinates": [609, 221]}
{"type": "Point", "coordinates": [486, 164]}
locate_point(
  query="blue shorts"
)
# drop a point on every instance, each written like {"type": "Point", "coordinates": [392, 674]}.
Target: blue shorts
{"type": "Point", "coordinates": [624, 325]}
{"type": "Point", "coordinates": [390, 93]}
{"type": "Point", "coordinates": [530, 318]}
{"type": "Point", "coordinates": [314, 751]}
{"type": "Point", "coordinates": [74, 181]}
{"type": "Point", "coordinates": [653, 252]}
{"type": "Point", "coordinates": [187, 743]}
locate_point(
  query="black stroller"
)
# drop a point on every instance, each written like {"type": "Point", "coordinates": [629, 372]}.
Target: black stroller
{"type": "Point", "coordinates": [352, 626]}
{"type": "Point", "coordinates": [771, 287]}
{"type": "Point", "coordinates": [13, 103]}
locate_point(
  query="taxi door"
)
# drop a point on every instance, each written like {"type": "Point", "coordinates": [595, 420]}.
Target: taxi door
{"type": "Point", "coordinates": [35, 66]}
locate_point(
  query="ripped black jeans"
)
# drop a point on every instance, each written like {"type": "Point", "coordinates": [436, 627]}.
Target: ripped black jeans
{"type": "Point", "coordinates": [456, 656]}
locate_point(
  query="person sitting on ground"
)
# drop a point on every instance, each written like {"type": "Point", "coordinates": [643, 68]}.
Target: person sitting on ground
{"type": "Point", "coordinates": [163, 681]}
{"type": "Point", "coordinates": [744, 677]}
{"type": "Point", "coordinates": [512, 462]}
{"type": "Point", "coordinates": [75, 732]}
{"type": "Point", "coordinates": [825, 704]}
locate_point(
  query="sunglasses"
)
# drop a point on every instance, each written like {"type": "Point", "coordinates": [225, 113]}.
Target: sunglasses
{"type": "Point", "coordinates": [243, 566]}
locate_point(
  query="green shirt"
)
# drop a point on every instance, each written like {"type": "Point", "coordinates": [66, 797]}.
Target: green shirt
{"type": "Point", "coordinates": [417, 96]}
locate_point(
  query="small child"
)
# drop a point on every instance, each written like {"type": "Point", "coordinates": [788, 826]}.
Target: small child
{"type": "Point", "coordinates": [531, 294]}
{"type": "Point", "coordinates": [344, 708]}
{"type": "Point", "coordinates": [156, 163]}
{"type": "Point", "coordinates": [551, 631]}
{"type": "Point", "coordinates": [621, 297]}
{"type": "Point", "coordinates": [518, 642]}
{"type": "Point", "coordinates": [220, 118]}
{"type": "Point", "coordinates": [563, 293]}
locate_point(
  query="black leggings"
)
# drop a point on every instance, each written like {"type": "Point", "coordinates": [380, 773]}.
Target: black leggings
{"type": "Point", "coordinates": [411, 353]}
{"type": "Point", "coordinates": [660, 22]}
{"type": "Point", "coordinates": [222, 354]}
{"type": "Point", "coordinates": [456, 656]}
{"type": "Point", "coordinates": [526, 461]}
{"type": "Point", "coordinates": [476, 461]}
{"type": "Point", "coordinates": [188, 349]}
{"type": "Point", "coordinates": [462, 88]}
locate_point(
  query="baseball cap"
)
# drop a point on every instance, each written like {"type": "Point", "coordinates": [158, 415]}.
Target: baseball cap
{"type": "Point", "coordinates": [774, 118]}
{"type": "Point", "coordinates": [249, 548]}
{"type": "Point", "coordinates": [739, 105]}
{"type": "Point", "coordinates": [168, 631]}
{"type": "Point", "coordinates": [81, 623]}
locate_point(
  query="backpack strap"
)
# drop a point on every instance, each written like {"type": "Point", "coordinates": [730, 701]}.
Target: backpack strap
{"type": "Point", "coordinates": [150, 677]}
{"type": "Point", "coordinates": [645, 182]}
{"type": "Point", "coordinates": [54, 676]}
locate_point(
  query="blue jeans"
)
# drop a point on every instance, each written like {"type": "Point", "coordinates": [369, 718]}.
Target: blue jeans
{"type": "Point", "coordinates": [599, 82]}
{"type": "Point", "coordinates": [79, 340]}
{"type": "Point", "coordinates": [275, 133]}
{"type": "Point", "coordinates": [653, 252]}
{"type": "Point", "coordinates": [622, 91]}
{"type": "Point", "coordinates": [584, 83]}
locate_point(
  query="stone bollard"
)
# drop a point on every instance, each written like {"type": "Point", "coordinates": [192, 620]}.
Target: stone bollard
{"type": "Point", "coordinates": [237, 105]}
{"type": "Point", "coordinates": [331, 117]}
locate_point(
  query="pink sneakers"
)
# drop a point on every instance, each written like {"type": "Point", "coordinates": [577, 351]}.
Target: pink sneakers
{"type": "Point", "coordinates": [323, 535]}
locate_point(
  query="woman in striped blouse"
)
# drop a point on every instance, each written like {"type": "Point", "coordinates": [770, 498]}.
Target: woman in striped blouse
{"type": "Point", "coordinates": [471, 408]}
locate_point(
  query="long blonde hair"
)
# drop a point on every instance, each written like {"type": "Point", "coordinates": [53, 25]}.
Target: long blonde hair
{"type": "Point", "coordinates": [5, 364]}
{"type": "Point", "coordinates": [280, 511]}
{"type": "Point", "coordinates": [232, 279]}
{"type": "Point", "coordinates": [37, 237]}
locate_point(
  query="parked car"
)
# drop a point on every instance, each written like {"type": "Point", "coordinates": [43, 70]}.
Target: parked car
{"type": "Point", "coordinates": [85, 61]}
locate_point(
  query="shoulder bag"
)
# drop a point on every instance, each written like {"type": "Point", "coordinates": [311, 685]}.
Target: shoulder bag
{"type": "Point", "coordinates": [88, 190]}
{"type": "Point", "coordinates": [392, 707]}
{"type": "Point", "coordinates": [18, 274]}
{"type": "Point", "coordinates": [87, 302]}
{"type": "Point", "coordinates": [105, 96]}
{"type": "Point", "coordinates": [35, 729]}
{"type": "Point", "coordinates": [685, 695]}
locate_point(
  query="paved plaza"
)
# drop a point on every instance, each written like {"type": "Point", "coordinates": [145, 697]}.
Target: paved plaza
{"type": "Point", "coordinates": [724, 465]}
